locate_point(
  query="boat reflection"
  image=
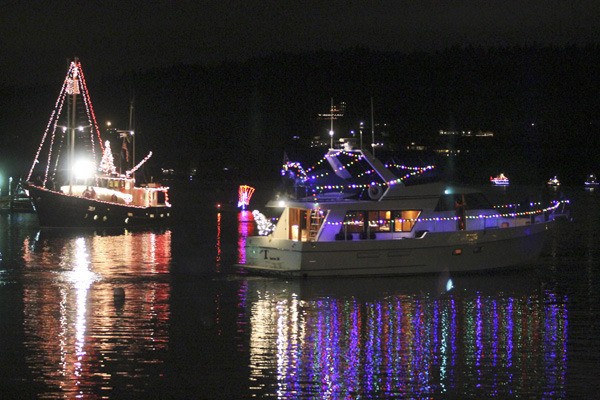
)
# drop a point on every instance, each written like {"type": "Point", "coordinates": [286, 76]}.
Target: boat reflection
{"type": "Point", "coordinates": [75, 325]}
{"type": "Point", "coordinates": [406, 337]}
{"type": "Point", "coordinates": [245, 229]}
{"type": "Point", "coordinates": [218, 244]}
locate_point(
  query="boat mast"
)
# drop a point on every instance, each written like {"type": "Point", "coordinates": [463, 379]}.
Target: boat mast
{"type": "Point", "coordinates": [331, 119]}
{"type": "Point", "coordinates": [71, 122]}
{"type": "Point", "coordinates": [131, 129]}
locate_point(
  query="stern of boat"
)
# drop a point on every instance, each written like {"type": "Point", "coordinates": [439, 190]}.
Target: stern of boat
{"type": "Point", "coordinates": [267, 254]}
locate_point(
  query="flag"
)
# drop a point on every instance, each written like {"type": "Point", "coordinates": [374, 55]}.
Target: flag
{"type": "Point", "coordinates": [125, 150]}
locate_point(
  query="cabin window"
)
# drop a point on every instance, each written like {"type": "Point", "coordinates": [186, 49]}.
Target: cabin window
{"type": "Point", "coordinates": [380, 221]}
{"type": "Point", "coordinates": [354, 222]}
{"type": "Point", "coordinates": [160, 197]}
{"type": "Point", "coordinates": [477, 201]}
{"type": "Point", "coordinates": [294, 221]}
{"type": "Point", "coordinates": [304, 225]}
{"type": "Point", "coordinates": [405, 220]}
{"type": "Point", "coordinates": [447, 202]}
{"type": "Point", "coordinates": [474, 201]}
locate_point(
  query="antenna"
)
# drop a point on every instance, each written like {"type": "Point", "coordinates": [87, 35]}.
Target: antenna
{"type": "Point", "coordinates": [331, 119]}
{"type": "Point", "coordinates": [131, 127]}
{"type": "Point", "coordinates": [372, 128]}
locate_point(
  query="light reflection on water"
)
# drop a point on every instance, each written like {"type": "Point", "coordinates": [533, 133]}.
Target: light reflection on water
{"type": "Point", "coordinates": [75, 321]}
{"type": "Point", "coordinates": [407, 343]}
{"type": "Point", "coordinates": [210, 332]}
{"type": "Point", "coordinates": [245, 229]}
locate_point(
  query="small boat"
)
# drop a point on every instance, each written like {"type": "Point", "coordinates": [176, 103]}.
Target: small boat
{"type": "Point", "coordinates": [70, 187]}
{"type": "Point", "coordinates": [591, 181]}
{"type": "Point", "coordinates": [17, 201]}
{"type": "Point", "coordinates": [500, 180]}
{"type": "Point", "coordinates": [554, 182]}
{"type": "Point", "coordinates": [369, 222]}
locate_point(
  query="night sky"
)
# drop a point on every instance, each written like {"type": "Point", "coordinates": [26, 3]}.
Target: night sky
{"type": "Point", "coordinates": [213, 81]}
{"type": "Point", "coordinates": [37, 37]}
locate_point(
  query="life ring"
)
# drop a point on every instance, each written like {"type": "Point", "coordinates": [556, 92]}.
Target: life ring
{"type": "Point", "coordinates": [375, 192]}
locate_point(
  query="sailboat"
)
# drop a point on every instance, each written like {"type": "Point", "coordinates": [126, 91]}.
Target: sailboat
{"type": "Point", "coordinates": [71, 188]}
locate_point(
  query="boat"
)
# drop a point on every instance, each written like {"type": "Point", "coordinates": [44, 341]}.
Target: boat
{"type": "Point", "coordinates": [500, 180]}
{"type": "Point", "coordinates": [17, 201]}
{"type": "Point", "coordinates": [70, 187]}
{"type": "Point", "coordinates": [591, 181]}
{"type": "Point", "coordinates": [554, 182]}
{"type": "Point", "coordinates": [378, 225]}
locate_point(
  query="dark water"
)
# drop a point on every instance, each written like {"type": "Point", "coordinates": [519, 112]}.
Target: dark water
{"type": "Point", "coordinates": [190, 327]}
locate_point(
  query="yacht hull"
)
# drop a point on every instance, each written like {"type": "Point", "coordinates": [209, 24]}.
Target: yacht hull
{"type": "Point", "coordinates": [55, 209]}
{"type": "Point", "coordinates": [459, 251]}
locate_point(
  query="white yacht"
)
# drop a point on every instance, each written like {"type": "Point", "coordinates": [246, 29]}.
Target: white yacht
{"type": "Point", "coordinates": [384, 227]}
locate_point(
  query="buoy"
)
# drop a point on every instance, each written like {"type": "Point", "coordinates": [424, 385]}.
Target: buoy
{"type": "Point", "coordinates": [119, 293]}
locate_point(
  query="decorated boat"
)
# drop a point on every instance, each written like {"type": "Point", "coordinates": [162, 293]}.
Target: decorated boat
{"type": "Point", "coordinates": [74, 182]}
{"type": "Point", "coordinates": [553, 182]}
{"type": "Point", "coordinates": [591, 181]}
{"type": "Point", "coordinates": [500, 180]}
{"type": "Point", "coordinates": [367, 221]}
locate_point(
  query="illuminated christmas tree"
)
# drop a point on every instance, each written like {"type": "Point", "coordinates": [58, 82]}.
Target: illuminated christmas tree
{"type": "Point", "coordinates": [107, 164]}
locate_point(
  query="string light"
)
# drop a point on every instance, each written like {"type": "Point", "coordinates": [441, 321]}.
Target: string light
{"type": "Point", "coordinates": [89, 107]}
{"type": "Point", "coordinates": [74, 83]}
{"type": "Point", "coordinates": [245, 193]}
{"type": "Point", "coordinates": [51, 123]}
{"type": "Point", "coordinates": [471, 217]}
{"type": "Point", "coordinates": [356, 158]}
{"type": "Point", "coordinates": [131, 171]}
{"type": "Point", "coordinates": [294, 166]}
{"type": "Point", "coordinates": [264, 226]}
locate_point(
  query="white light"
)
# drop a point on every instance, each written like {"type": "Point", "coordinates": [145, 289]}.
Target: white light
{"type": "Point", "coordinates": [83, 169]}
{"type": "Point", "coordinates": [331, 133]}
{"type": "Point", "coordinates": [264, 226]}
{"type": "Point", "coordinates": [281, 203]}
